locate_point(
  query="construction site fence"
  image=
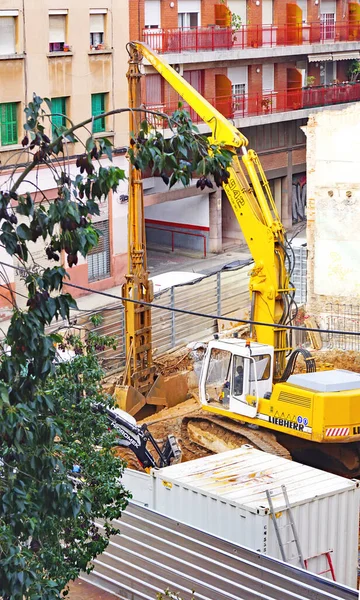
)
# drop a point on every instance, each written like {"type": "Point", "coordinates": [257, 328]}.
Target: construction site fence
{"type": "Point", "coordinates": [199, 39]}
{"type": "Point", "coordinates": [154, 553]}
{"type": "Point", "coordinates": [342, 317]}
{"type": "Point", "coordinates": [224, 293]}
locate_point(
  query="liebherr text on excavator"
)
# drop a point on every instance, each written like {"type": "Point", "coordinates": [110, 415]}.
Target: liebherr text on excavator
{"type": "Point", "coordinates": [315, 415]}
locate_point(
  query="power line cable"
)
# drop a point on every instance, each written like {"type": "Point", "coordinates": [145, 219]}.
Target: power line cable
{"type": "Point", "coordinates": [196, 313]}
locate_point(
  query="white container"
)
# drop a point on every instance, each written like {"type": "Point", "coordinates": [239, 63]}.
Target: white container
{"type": "Point", "coordinates": [225, 494]}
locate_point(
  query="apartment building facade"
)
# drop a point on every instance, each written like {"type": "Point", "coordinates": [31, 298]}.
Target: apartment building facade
{"type": "Point", "coordinates": [266, 69]}
{"type": "Point", "coordinates": [73, 53]}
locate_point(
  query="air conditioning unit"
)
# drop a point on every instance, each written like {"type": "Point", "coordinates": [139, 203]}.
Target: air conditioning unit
{"type": "Point", "coordinates": [179, 69]}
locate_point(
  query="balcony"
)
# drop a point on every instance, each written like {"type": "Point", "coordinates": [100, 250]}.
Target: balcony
{"type": "Point", "coordinates": [254, 105]}
{"type": "Point", "coordinates": [199, 39]}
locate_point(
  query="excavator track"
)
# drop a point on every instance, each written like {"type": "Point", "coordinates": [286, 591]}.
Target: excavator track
{"type": "Point", "coordinates": [218, 434]}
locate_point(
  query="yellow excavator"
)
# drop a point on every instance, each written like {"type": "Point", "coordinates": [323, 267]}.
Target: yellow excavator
{"type": "Point", "coordinates": [315, 415]}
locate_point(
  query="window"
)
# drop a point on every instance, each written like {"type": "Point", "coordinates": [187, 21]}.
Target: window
{"type": "Point", "coordinates": [154, 85]}
{"type": "Point", "coordinates": [57, 31]}
{"type": "Point", "coordinates": [97, 108]}
{"type": "Point", "coordinates": [97, 28]}
{"type": "Point", "coordinates": [188, 13]}
{"type": "Point", "coordinates": [58, 106]}
{"type": "Point", "coordinates": [303, 5]}
{"type": "Point", "coordinates": [238, 375]}
{"type": "Point", "coordinates": [98, 258]}
{"type": "Point", "coordinates": [8, 124]}
{"type": "Point", "coordinates": [188, 20]}
{"type": "Point", "coordinates": [260, 369]}
{"type": "Point", "coordinates": [7, 33]}
{"type": "Point", "coordinates": [152, 14]}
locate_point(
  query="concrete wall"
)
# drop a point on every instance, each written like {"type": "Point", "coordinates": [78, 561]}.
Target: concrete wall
{"type": "Point", "coordinates": [333, 212]}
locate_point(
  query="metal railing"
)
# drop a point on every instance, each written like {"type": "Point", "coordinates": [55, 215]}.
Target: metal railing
{"type": "Point", "coordinates": [174, 232]}
{"type": "Point", "coordinates": [249, 105]}
{"type": "Point", "coordinates": [197, 39]}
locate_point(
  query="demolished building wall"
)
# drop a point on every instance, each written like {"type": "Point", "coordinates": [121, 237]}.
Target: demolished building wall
{"type": "Point", "coordinates": [333, 214]}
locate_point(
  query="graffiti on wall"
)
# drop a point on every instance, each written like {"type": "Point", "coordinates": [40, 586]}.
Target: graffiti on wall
{"type": "Point", "coordinates": [299, 198]}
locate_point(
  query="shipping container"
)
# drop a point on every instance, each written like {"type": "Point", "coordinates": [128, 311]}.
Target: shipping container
{"type": "Point", "coordinates": [225, 494]}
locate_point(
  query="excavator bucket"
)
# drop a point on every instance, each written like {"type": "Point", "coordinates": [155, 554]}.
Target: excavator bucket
{"type": "Point", "coordinates": [157, 393]}
{"type": "Point", "coordinates": [129, 399]}
{"type": "Point", "coordinates": [132, 401]}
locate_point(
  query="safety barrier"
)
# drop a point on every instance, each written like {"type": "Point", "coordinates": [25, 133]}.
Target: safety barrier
{"type": "Point", "coordinates": [197, 39]}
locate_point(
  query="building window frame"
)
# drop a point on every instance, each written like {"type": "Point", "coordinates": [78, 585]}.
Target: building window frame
{"type": "Point", "coordinates": [97, 28]}
{"type": "Point", "coordinates": [8, 123]}
{"type": "Point", "coordinates": [8, 32]}
{"type": "Point", "coordinates": [58, 106]}
{"type": "Point", "coordinates": [98, 107]}
{"type": "Point", "coordinates": [58, 31]}
{"type": "Point", "coordinates": [98, 259]}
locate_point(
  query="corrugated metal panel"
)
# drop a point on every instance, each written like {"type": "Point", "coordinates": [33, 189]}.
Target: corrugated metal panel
{"type": "Point", "coordinates": [225, 495]}
{"type": "Point", "coordinates": [172, 329]}
{"type": "Point", "coordinates": [154, 553]}
{"type": "Point", "coordinates": [235, 290]}
{"type": "Point", "coordinates": [162, 324]}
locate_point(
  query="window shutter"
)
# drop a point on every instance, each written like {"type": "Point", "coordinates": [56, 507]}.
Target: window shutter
{"type": "Point", "coordinates": [97, 24]}
{"type": "Point", "coordinates": [238, 75]}
{"type": "Point", "coordinates": [268, 78]}
{"type": "Point", "coordinates": [57, 28]}
{"type": "Point", "coordinates": [327, 7]}
{"type": "Point", "coordinates": [189, 6]}
{"type": "Point", "coordinates": [7, 35]}
{"type": "Point", "coordinates": [58, 105]}
{"type": "Point", "coordinates": [267, 12]}
{"type": "Point", "coordinates": [97, 108]}
{"type": "Point", "coordinates": [238, 7]}
{"type": "Point", "coordinates": [152, 13]}
{"type": "Point", "coordinates": [8, 116]}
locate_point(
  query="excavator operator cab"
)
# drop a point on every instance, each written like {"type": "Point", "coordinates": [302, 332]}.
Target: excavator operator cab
{"type": "Point", "coordinates": [235, 374]}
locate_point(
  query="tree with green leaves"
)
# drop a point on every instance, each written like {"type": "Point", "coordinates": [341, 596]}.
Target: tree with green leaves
{"type": "Point", "coordinates": [47, 427]}
{"type": "Point", "coordinates": [354, 71]}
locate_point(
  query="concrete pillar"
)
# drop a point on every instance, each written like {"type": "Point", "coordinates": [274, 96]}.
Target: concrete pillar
{"type": "Point", "coordinates": [215, 221]}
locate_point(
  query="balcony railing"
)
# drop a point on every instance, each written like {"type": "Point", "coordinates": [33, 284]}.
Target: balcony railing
{"type": "Point", "coordinates": [196, 39]}
{"type": "Point", "coordinates": [249, 105]}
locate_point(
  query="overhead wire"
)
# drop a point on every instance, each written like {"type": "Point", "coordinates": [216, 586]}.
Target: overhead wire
{"type": "Point", "coordinates": [196, 313]}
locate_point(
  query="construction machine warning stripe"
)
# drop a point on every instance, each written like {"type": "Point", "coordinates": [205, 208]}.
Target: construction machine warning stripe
{"type": "Point", "coordinates": [337, 431]}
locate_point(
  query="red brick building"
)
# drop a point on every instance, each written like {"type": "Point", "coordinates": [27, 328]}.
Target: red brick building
{"type": "Point", "coordinates": [267, 74]}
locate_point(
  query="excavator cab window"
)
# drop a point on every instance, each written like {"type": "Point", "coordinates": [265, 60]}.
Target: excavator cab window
{"type": "Point", "coordinates": [260, 368]}
{"type": "Point", "coordinates": [217, 384]}
{"type": "Point", "coordinates": [238, 375]}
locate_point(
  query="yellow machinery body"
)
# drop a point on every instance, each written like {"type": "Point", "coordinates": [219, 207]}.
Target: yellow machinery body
{"type": "Point", "coordinates": [140, 385]}
{"type": "Point", "coordinates": [329, 417]}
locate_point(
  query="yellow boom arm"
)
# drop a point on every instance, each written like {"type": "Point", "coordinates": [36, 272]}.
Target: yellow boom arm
{"type": "Point", "coordinates": [250, 197]}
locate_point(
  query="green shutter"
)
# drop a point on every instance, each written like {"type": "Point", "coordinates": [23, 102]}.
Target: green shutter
{"type": "Point", "coordinates": [8, 124]}
{"type": "Point", "coordinates": [97, 108]}
{"type": "Point", "coordinates": [58, 105]}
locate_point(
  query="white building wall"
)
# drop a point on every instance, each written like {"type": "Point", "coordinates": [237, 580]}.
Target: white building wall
{"type": "Point", "coordinates": [333, 183]}
{"type": "Point", "coordinates": [188, 211]}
